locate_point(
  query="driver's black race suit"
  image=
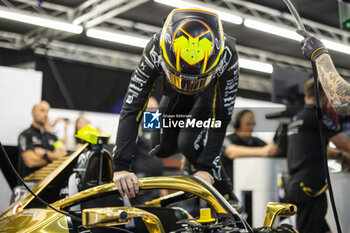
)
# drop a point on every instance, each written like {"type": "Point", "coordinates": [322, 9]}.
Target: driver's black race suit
{"type": "Point", "coordinates": [200, 143]}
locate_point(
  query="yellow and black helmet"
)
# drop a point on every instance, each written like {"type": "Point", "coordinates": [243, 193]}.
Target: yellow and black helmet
{"type": "Point", "coordinates": [191, 42]}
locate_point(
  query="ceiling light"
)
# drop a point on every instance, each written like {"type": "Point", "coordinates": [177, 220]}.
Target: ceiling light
{"type": "Point", "coordinates": [255, 65]}
{"type": "Point", "coordinates": [291, 34]}
{"type": "Point", "coordinates": [39, 21]}
{"type": "Point", "coordinates": [118, 37]}
{"type": "Point", "coordinates": [272, 29]}
{"type": "Point", "coordinates": [225, 15]}
{"type": "Point", "coordinates": [336, 46]}
{"type": "Point", "coordinates": [141, 41]}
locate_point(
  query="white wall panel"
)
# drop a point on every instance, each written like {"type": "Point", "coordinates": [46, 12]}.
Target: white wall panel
{"type": "Point", "coordinates": [20, 89]}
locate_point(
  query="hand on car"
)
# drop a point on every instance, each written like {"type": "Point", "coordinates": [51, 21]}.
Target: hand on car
{"type": "Point", "coordinates": [127, 182]}
{"type": "Point", "coordinates": [205, 176]}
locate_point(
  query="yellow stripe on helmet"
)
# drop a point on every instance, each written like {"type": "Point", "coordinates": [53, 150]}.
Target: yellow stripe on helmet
{"type": "Point", "coordinates": [162, 39]}
{"type": "Point", "coordinates": [193, 49]}
{"type": "Point", "coordinates": [221, 46]}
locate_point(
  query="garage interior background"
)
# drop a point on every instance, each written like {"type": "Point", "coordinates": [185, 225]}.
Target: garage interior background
{"type": "Point", "coordinates": [85, 73]}
{"type": "Point", "coordinates": [95, 73]}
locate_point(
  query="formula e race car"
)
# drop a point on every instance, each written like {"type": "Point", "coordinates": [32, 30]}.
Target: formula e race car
{"type": "Point", "coordinates": [96, 205]}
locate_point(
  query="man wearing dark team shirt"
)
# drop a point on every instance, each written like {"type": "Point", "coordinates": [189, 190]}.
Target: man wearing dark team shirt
{"type": "Point", "coordinates": [306, 186]}
{"type": "Point", "coordinates": [37, 147]}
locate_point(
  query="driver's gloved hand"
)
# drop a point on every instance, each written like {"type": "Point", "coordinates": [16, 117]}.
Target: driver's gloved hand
{"type": "Point", "coordinates": [154, 150]}
{"type": "Point", "coordinates": [311, 46]}
{"type": "Point", "coordinates": [186, 167]}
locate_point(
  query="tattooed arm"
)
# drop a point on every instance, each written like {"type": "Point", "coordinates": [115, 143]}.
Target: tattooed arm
{"type": "Point", "coordinates": [335, 87]}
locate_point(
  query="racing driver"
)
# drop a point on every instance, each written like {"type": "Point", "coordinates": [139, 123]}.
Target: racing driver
{"type": "Point", "coordinates": [200, 65]}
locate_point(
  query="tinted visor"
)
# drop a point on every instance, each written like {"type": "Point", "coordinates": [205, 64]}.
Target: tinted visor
{"type": "Point", "coordinates": [187, 84]}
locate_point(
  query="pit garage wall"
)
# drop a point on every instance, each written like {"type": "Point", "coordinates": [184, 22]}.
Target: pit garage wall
{"type": "Point", "coordinates": [341, 190]}
{"type": "Point", "coordinates": [19, 90]}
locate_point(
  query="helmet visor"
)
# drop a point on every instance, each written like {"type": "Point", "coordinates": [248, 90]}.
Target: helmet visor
{"type": "Point", "coordinates": [187, 84]}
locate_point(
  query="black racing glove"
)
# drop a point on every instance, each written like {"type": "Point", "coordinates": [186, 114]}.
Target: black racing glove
{"type": "Point", "coordinates": [311, 46]}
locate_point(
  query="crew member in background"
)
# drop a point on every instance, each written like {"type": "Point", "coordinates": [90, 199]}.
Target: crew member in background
{"type": "Point", "coordinates": [335, 87]}
{"type": "Point", "coordinates": [60, 129]}
{"type": "Point", "coordinates": [306, 186]}
{"type": "Point", "coordinates": [200, 67]}
{"type": "Point", "coordinates": [80, 123]}
{"type": "Point", "coordinates": [242, 143]}
{"type": "Point", "coordinates": [37, 147]}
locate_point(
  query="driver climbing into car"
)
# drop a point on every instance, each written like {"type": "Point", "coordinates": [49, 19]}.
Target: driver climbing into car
{"type": "Point", "coordinates": [200, 65]}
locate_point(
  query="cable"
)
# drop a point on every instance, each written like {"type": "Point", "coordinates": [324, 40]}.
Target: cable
{"type": "Point", "coordinates": [62, 87]}
{"type": "Point", "coordinates": [300, 26]}
{"type": "Point", "coordinates": [324, 148]}
{"type": "Point", "coordinates": [29, 190]}
{"type": "Point", "coordinates": [41, 200]}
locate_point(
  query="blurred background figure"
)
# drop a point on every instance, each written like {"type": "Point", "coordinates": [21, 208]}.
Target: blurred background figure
{"type": "Point", "coordinates": [307, 185]}
{"type": "Point", "coordinates": [242, 143]}
{"type": "Point", "coordinates": [38, 146]}
{"type": "Point", "coordinates": [80, 123]}
{"type": "Point", "coordinates": [60, 129]}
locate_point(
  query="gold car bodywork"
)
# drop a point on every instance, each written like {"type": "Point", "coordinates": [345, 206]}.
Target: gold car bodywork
{"type": "Point", "coordinates": [164, 182]}
{"type": "Point", "coordinates": [97, 217]}
{"type": "Point", "coordinates": [47, 220]}
{"type": "Point", "coordinates": [34, 220]}
{"type": "Point", "coordinates": [20, 218]}
{"type": "Point", "coordinates": [278, 209]}
{"type": "Point", "coordinates": [41, 185]}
